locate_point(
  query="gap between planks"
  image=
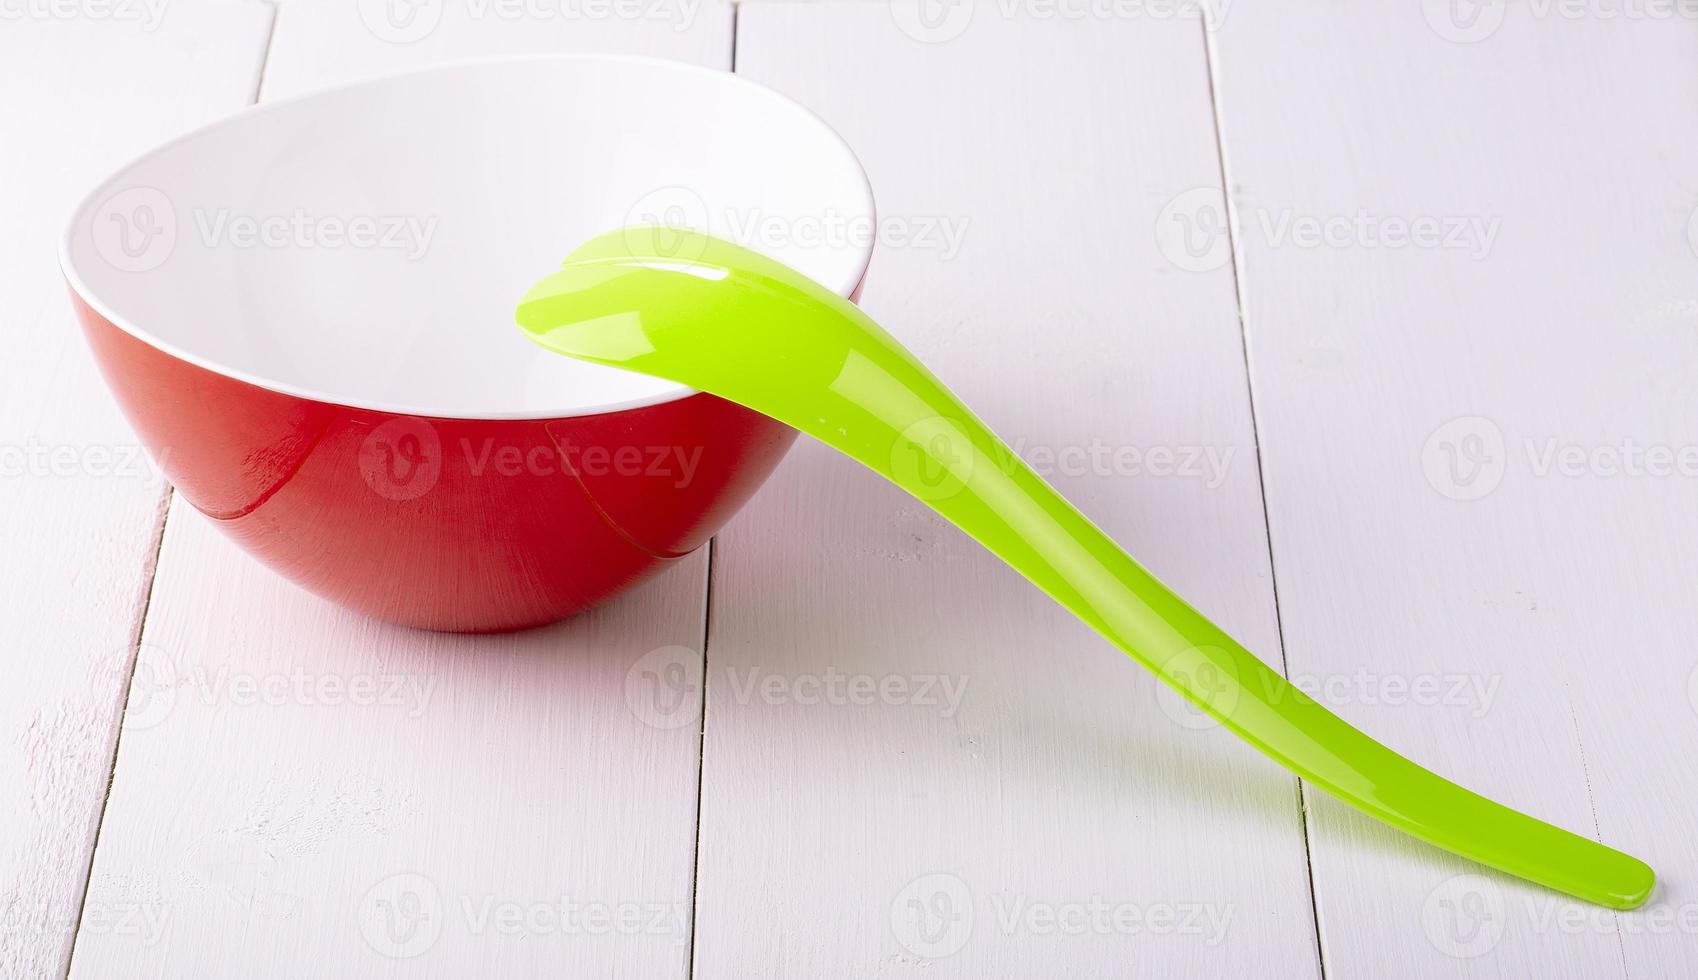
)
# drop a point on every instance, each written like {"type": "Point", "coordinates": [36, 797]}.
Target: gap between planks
{"type": "Point", "coordinates": [707, 635]}
{"type": "Point", "coordinates": [1210, 54]}
{"type": "Point", "coordinates": [139, 635]}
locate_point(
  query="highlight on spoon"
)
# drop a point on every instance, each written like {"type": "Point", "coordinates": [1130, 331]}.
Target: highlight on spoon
{"type": "Point", "coordinates": [723, 319]}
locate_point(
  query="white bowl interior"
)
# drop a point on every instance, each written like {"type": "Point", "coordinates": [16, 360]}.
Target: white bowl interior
{"type": "Point", "coordinates": [367, 245]}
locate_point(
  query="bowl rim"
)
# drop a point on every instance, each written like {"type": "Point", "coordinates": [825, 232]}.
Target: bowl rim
{"type": "Point", "coordinates": [101, 189]}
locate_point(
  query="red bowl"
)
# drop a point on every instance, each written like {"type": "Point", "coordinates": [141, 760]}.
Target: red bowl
{"type": "Point", "coordinates": [366, 419]}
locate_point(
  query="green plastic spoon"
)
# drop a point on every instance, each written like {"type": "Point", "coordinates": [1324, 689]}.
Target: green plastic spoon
{"type": "Point", "coordinates": [720, 318]}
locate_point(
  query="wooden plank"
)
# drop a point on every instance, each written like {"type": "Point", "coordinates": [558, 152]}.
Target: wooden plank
{"type": "Point", "coordinates": [486, 802]}
{"type": "Point", "coordinates": [341, 41]}
{"type": "Point", "coordinates": [1409, 397]}
{"type": "Point", "coordinates": [80, 505]}
{"type": "Point", "coordinates": [915, 764]}
{"type": "Point", "coordinates": [301, 791]}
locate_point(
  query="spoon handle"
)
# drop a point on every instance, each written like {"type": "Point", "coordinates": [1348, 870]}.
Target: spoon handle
{"type": "Point", "coordinates": [809, 358]}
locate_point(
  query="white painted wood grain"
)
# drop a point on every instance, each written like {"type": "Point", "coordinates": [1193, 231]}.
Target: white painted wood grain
{"type": "Point", "coordinates": [304, 792]}
{"type": "Point", "coordinates": [856, 819]}
{"type": "Point", "coordinates": [80, 507]}
{"type": "Point", "coordinates": [1569, 596]}
{"type": "Point", "coordinates": [322, 43]}
{"type": "Point", "coordinates": [256, 831]}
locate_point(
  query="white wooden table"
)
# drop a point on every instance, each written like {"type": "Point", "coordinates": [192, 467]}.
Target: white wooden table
{"type": "Point", "coordinates": [1419, 429]}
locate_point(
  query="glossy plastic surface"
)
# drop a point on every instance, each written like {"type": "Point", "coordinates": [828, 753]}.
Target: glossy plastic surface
{"type": "Point", "coordinates": [283, 246]}
{"type": "Point", "coordinates": [722, 319]}
{"type": "Point", "coordinates": [461, 525]}
{"type": "Point", "coordinates": [312, 338]}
